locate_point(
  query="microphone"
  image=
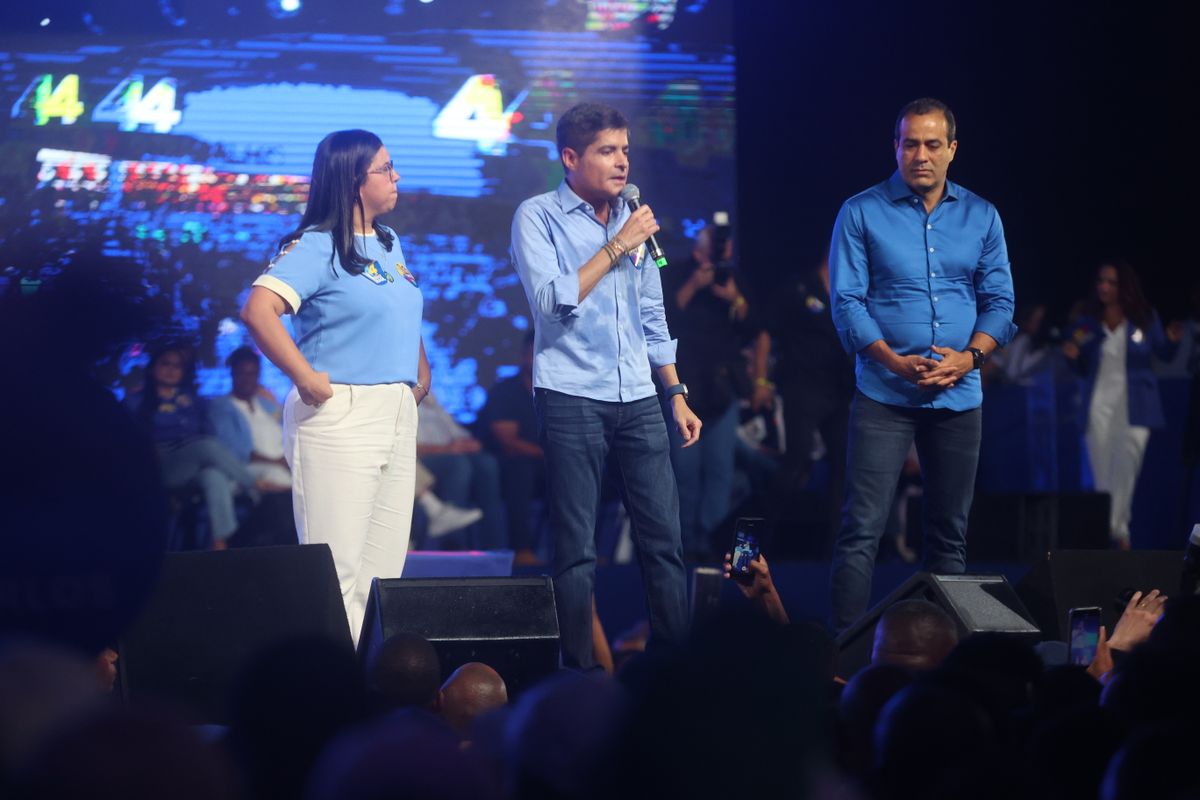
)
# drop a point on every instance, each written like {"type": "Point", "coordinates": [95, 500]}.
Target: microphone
{"type": "Point", "coordinates": [633, 196]}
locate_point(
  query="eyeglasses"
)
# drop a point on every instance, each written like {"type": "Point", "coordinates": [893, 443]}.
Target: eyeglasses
{"type": "Point", "coordinates": [383, 169]}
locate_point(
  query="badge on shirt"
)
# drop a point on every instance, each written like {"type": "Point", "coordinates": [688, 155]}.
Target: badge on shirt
{"type": "Point", "coordinates": [814, 304]}
{"type": "Point", "coordinates": [283, 251]}
{"type": "Point", "coordinates": [377, 274]}
{"type": "Point", "coordinates": [404, 273]}
{"type": "Point", "coordinates": [1137, 336]}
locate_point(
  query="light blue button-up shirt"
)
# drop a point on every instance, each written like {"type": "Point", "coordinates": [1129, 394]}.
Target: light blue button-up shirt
{"type": "Point", "coordinates": [916, 280]}
{"type": "Point", "coordinates": [603, 347]}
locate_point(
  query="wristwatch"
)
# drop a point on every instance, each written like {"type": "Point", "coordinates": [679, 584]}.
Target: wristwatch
{"type": "Point", "coordinates": [679, 388]}
{"type": "Point", "coordinates": [978, 355]}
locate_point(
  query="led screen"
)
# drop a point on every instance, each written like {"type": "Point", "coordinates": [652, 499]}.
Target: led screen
{"type": "Point", "coordinates": [176, 141]}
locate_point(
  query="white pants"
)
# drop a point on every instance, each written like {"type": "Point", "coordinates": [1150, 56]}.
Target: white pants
{"type": "Point", "coordinates": [353, 463]}
{"type": "Point", "coordinates": [1115, 450]}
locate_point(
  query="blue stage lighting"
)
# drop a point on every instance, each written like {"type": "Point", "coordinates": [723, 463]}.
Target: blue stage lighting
{"type": "Point", "coordinates": [283, 9]}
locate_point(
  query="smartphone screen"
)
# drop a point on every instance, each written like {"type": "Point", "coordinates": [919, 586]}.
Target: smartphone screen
{"type": "Point", "coordinates": [745, 547]}
{"type": "Point", "coordinates": [1084, 625]}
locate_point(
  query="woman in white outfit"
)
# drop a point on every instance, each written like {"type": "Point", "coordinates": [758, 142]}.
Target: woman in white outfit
{"type": "Point", "coordinates": [358, 365]}
{"type": "Point", "coordinates": [1112, 343]}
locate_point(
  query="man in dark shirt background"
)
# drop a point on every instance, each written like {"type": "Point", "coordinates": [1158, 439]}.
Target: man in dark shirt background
{"type": "Point", "coordinates": [714, 321]}
{"type": "Point", "coordinates": [815, 379]}
{"type": "Point", "coordinates": [510, 428]}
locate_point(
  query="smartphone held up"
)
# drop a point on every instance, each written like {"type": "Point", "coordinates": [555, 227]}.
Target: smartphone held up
{"type": "Point", "coordinates": [745, 548]}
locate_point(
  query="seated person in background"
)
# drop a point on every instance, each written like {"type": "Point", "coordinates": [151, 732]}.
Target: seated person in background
{"type": "Point", "coordinates": [248, 421]}
{"type": "Point", "coordinates": [434, 516]}
{"type": "Point", "coordinates": [511, 428]}
{"type": "Point", "coordinates": [471, 690]}
{"type": "Point", "coordinates": [465, 474]}
{"type": "Point", "coordinates": [188, 454]}
{"type": "Point", "coordinates": [914, 634]}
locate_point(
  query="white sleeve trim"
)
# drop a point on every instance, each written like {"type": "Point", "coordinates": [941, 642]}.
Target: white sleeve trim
{"type": "Point", "coordinates": [280, 288]}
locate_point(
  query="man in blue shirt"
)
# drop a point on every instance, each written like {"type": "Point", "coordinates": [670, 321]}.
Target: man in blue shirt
{"type": "Point", "coordinates": [599, 326]}
{"type": "Point", "coordinates": [922, 293]}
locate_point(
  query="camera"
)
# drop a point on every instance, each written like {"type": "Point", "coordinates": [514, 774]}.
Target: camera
{"type": "Point", "coordinates": [720, 233]}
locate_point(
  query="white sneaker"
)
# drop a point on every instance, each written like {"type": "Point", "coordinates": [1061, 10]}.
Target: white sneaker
{"type": "Point", "coordinates": [444, 517]}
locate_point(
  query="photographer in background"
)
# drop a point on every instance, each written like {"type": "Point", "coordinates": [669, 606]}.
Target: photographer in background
{"type": "Point", "coordinates": [713, 320]}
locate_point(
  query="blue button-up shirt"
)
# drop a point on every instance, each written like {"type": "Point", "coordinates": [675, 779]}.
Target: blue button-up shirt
{"type": "Point", "coordinates": [603, 347]}
{"type": "Point", "coordinates": [916, 280]}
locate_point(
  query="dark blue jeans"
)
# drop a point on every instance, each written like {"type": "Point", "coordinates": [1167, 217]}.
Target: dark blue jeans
{"type": "Point", "coordinates": [577, 435]}
{"type": "Point", "coordinates": [880, 437]}
{"type": "Point", "coordinates": [472, 480]}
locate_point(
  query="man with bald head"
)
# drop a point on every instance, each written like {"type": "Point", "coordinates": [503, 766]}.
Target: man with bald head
{"type": "Point", "coordinates": [473, 689]}
{"type": "Point", "coordinates": [914, 634]}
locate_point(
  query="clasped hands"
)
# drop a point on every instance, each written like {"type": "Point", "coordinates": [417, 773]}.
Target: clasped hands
{"type": "Point", "coordinates": [929, 373]}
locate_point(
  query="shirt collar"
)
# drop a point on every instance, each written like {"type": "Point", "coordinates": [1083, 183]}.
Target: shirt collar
{"type": "Point", "coordinates": [569, 201]}
{"type": "Point", "coordinates": [899, 190]}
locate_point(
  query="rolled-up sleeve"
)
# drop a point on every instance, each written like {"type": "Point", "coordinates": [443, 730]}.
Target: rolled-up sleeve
{"type": "Point", "coordinates": [660, 347]}
{"type": "Point", "coordinates": [849, 282]}
{"type": "Point", "coordinates": [994, 297]}
{"type": "Point", "coordinates": [552, 293]}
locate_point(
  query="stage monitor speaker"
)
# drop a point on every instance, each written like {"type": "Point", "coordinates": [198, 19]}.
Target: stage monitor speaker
{"type": "Point", "coordinates": [212, 613]}
{"type": "Point", "coordinates": [1065, 579]}
{"type": "Point", "coordinates": [976, 602]}
{"type": "Point", "coordinates": [510, 624]}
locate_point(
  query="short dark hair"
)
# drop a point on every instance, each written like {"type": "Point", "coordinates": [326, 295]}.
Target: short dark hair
{"type": "Point", "coordinates": [405, 672]}
{"type": "Point", "coordinates": [578, 127]}
{"type": "Point", "coordinates": [242, 354]}
{"type": "Point", "coordinates": [927, 105]}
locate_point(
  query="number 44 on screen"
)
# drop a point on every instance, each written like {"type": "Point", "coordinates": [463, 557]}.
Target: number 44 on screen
{"type": "Point", "coordinates": [129, 104]}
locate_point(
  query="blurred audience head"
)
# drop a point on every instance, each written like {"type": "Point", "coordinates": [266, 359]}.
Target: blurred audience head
{"type": "Point", "coordinates": [407, 753]}
{"type": "Point", "coordinates": [171, 365]}
{"type": "Point", "coordinates": [1118, 284]}
{"type": "Point", "coordinates": [245, 367]}
{"type": "Point", "coordinates": [859, 707]}
{"type": "Point", "coordinates": [287, 705]}
{"type": "Point", "coordinates": [405, 672]}
{"type": "Point", "coordinates": [471, 690]}
{"type": "Point", "coordinates": [998, 671]}
{"type": "Point", "coordinates": [742, 684]}
{"type": "Point", "coordinates": [1070, 751]}
{"type": "Point", "coordinates": [42, 686]}
{"type": "Point", "coordinates": [1155, 763]}
{"type": "Point", "coordinates": [929, 738]}
{"type": "Point", "coordinates": [131, 754]}
{"type": "Point", "coordinates": [560, 734]}
{"type": "Point", "coordinates": [77, 473]}
{"type": "Point", "coordinates": [915, 634]}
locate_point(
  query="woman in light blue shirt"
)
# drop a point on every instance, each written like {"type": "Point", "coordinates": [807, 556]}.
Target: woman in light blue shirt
{"type": "Point", "coordinates": [358, 365]}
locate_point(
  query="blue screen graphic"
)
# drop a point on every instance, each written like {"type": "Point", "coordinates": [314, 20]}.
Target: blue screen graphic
{"type": "Point", "coordinates": [184, 155]}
